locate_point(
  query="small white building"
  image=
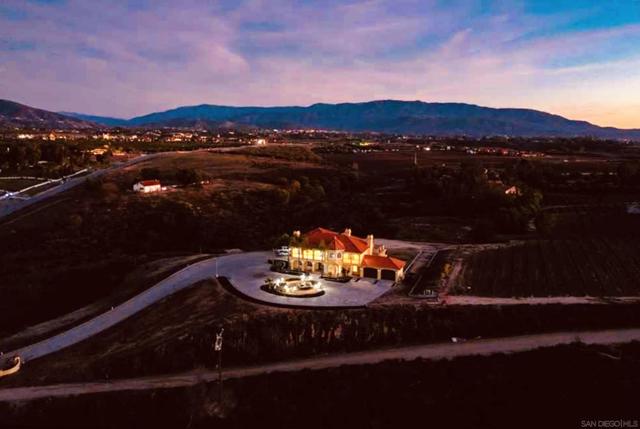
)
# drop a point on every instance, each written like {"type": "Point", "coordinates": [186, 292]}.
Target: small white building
{"type": "Point", "coordinates": [147, 186]}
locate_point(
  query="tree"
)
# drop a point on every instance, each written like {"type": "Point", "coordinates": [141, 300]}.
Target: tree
{"type": "Point", "coordinates": [105, 158]}
{"type": "Point", "coordinates": [93, 184]}
{"type": "Point", "coordinates": [484, 230]}
{"type": "Point", "coordinates": [472, 175]}
{"type": "Point", "coordinates": [283, 240]}
{"type": "Point", "coordinates": [18, 157]}
{"type": "Point", "coordinates": [149, 173]}
{"type": "Point", "coordinates": [513, 220]}
{"type": "Point", "coordinates": [281, 196]}
{"type": "Point", "coordinates": [75, 222]}
{"type": "Point", "coordinates": [33, 154]}
{"type": "Point", "coordinates": [545, 222]}
{"type": "Point", "coordinates": [294, 187]}
{"type": "Point", "coordinates": [109, 191]}
{"type": "Point", "coordinates": [188, 176]}
{"type": "Point", "coordinates": [629, 174]}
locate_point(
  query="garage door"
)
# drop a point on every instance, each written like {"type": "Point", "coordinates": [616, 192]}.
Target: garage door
{"type": "Point", "coordinates": [388, 275]}
{"type": "Point", "coordinates": [371, 273]}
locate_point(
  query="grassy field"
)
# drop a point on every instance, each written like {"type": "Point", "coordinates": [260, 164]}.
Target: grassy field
{"type": "Point", "coordinates": [565, 385]}
{"type": "Point", "coordinates": [76, 248]}
{"type": "Point", "coordinates": [289, 152]}
{"type": "Point", "coordinates": [587, 267]}
{"type": "Point", "coordinates": [177, 333]}
{"type": "Point", "coordinates": [14, 185]}
{"type": "Point", "coordinates": [248, 164]}
{"type": "Point", "coordinates": [610, 221]}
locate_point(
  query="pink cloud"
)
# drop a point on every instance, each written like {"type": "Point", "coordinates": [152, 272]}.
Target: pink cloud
{"type": "Point", "coordinates": [114, 61]}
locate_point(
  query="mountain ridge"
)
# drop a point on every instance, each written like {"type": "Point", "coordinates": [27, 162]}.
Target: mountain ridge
{"type": "Point", "coordinates": [388, 116]}
{"type": "Point", "coordinates": [13, 114]}
{"type": "Point", "coordinates": [102, 120]}
{"type": "Point", "coordinates": [384, 116]}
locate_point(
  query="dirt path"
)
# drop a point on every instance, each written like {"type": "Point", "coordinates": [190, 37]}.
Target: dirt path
{"type": "Point", "coordinates": [566, 300]}
{"type": "Point", "coordinates": [430, 351]}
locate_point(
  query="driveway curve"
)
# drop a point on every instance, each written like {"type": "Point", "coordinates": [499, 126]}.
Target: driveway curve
{"type": "Point", "coordinates": [245, 271]}
{"type": "Point", "coordinates": [175, 282]}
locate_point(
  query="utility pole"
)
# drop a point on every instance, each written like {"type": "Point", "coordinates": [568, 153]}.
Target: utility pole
{"type": "Point", "coordinates": [218, 348]}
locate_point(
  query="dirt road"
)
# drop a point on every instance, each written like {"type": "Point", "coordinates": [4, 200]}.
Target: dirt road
{"type": "Point", "coordinates": [430, 351]}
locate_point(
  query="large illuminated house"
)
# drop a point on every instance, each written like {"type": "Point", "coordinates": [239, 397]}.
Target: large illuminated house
{"type": "Point", "coordinates": [333, 254]}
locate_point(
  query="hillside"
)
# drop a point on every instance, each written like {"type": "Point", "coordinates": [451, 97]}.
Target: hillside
{"type": "Point", "coordinates": [387, 116]}
{"type": "Point", "coordinates": [14, 114]}
{"type": "Point", "coordinates": [102, 120]}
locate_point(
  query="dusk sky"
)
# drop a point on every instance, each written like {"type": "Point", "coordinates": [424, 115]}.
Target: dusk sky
{"type": "Point", "coordinates": [577, 58]}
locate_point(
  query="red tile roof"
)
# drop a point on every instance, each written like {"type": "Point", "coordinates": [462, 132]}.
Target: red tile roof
{"type": "Point", "coordinates": [374, 261]}
{"type": "Point", "coordinates": [335, 241]}
{"type": "Point", "coordinates": [150, 182]}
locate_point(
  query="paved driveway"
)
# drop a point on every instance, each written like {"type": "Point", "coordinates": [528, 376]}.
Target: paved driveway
{"type": "Point", "coordinates": [248, 271]}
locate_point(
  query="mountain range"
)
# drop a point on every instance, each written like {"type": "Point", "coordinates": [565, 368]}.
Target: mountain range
{"type": "Point", "coordinates": [385, 116]}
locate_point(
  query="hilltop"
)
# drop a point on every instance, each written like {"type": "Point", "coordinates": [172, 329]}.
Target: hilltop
{"type": "Point", "coordinates": [14, 114]}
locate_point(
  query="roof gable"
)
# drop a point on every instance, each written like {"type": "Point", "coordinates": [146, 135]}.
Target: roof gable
{"type": "Point", "coordinates": [374, 261]}
{"type": "Point", "coordinates": [321, 237]}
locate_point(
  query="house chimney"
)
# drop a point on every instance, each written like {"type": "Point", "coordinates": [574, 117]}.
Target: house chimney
{"type": "Point", "coordinates": [347, 232]}
{"type": "Point", "coordinates": [370, 243]}
{"type": "Point", "coordinates": [296, 233]}
{"type": "Point", "coordinates": [382, 251]}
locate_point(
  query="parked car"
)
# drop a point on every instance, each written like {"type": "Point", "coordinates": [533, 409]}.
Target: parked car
{"type": "Point", "coordinates": [282, 251]}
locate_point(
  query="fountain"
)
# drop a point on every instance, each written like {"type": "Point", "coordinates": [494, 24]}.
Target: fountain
{"type": "Point", "coordinates": [297, 287]}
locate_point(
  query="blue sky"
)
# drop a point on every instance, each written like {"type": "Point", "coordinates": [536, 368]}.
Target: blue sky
{"type": "Point", "coordinates": [578, 58]}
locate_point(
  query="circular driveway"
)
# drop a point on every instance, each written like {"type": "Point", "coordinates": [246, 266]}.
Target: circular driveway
{"type": "Point", "coordinates": [247, 273]}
